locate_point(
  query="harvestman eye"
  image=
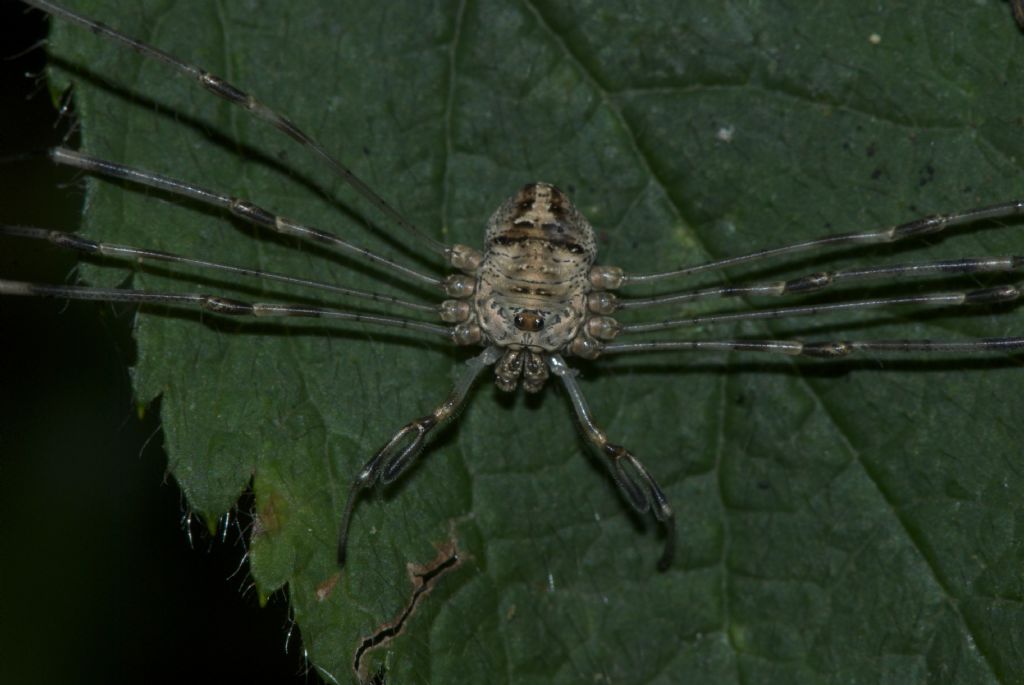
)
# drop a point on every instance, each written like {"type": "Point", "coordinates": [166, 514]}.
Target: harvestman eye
{"type": "Point", "coordinates": [532, 296]}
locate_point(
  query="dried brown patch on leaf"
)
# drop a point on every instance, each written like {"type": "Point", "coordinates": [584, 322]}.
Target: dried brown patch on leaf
{"type": "Point", "coordinates": [424, 577]}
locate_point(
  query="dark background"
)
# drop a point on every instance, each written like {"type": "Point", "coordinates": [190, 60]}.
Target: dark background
{"type": "Point", "coordinates": [98, 581]}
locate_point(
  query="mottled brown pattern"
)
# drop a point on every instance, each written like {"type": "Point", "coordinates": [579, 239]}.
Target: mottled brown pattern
{"type": "Point", "coordinates": [533, 280]}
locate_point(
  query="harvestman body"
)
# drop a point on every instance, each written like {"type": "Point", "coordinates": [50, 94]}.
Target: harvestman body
{"type": "Point", "coordinates": [532, 296]}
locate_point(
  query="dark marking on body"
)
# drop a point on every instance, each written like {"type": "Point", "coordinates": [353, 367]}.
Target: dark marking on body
{"type": "Point", "coordinates": [528, 320]}
{"type": "Point", "coordinates": [827, 349]}
{"type": "Point", "coordinates": [74, 242]}
{"type": "Point", "coordinates": [929, 224]}
{"type": "Point", "coordinates": [254, 213]}
{"type": "Point", "coordinates": [519, 237]}
{"type": "Point", "coordinates": [222, 88]}
{"type": "Point", "coordinates": [227, 305]}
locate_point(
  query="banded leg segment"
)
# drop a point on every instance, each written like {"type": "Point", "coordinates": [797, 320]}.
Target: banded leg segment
{"type": "Point", "coordinates": [821, 280]}
{"type": "Point", "coordinates": [634, 480]}
{"type": "Point", "coordinates": [823, 349]}
{"type": "Point", "coordinates": [926, 226]}
{"type": "Point", "coordinates": [70, 241]}
{"type": "Point", "coordinates": [217, 305]}
{"type": "Point", "coordinates": [226, 91]}
{"type": "Point", "coordinates": [401, 450]}
{"type": "Point", "coordinates": [243, 209]}
{"type": "Point", "coordinates": [981, 296]}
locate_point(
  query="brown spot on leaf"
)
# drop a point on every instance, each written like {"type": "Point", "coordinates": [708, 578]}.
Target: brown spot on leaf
{"type": "Point", "coordinates": [267, 518]}
{"type": "Point", "coordinates": [326, 587]}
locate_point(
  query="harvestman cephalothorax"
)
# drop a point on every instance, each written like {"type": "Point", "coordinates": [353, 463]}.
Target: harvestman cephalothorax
{"type": "Point", "coordinates": [533, 296]}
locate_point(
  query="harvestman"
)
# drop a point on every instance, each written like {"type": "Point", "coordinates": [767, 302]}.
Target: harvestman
{"type": "Point", "coordinates": [532, 297]}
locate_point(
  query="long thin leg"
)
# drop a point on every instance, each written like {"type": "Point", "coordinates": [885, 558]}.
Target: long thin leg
{"type": "Point", "coordinates": [215, 304]}
{"type": "Point", "coordinates": [634, 480]}
{"type": "Point", "coordinates": [243, 209]}
{"type": "Point", "coordinates": [223, 89]}
{"type": "Point", "coordinates": [912, 229]}
{"type": "Point", "coordinates": [70, 241]}
{"type": "Point", "coordinates": [821, 280]}
{"type": "Point", "coordinates": [997, 294]}
{"type": "Point", "coordinates": [401, 450]}
{"type": "Point", "coordinates": [824, 349]}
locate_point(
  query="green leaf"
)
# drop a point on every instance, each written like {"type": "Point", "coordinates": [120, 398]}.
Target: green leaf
{"type": "Point", "coordinates": [850, 521]}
